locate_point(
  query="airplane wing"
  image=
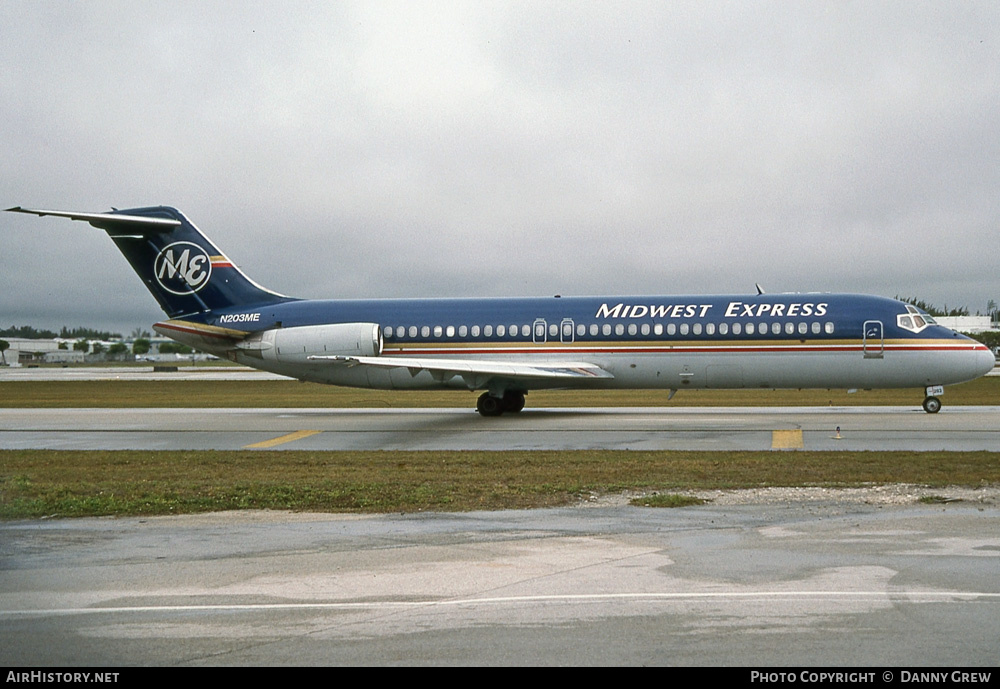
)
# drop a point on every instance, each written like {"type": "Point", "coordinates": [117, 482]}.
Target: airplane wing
{"type": "Point", "coordinates": [476, 373]}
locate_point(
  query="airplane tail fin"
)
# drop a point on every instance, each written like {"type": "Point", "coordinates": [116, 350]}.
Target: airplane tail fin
{"type": "Point", "coordinates": [184, 271]}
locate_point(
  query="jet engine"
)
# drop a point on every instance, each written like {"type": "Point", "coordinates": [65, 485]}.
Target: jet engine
{"type": "Point", "coordinates": [296, 345]}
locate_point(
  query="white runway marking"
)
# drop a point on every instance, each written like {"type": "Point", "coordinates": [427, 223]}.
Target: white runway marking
{"type": "Point", "coordinates": [915, 596]}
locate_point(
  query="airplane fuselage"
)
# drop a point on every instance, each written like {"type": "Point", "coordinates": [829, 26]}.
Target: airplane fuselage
{"type": "Point", "coordinates": [674, 342]}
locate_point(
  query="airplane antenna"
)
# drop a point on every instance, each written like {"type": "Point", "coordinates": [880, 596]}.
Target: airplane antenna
{"type": "Point", "coordinates": [760, 290]}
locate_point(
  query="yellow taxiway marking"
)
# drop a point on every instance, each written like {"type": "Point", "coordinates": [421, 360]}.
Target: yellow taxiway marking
{"type": "Point", "coordinates": [281, 439]}
{"type": "Point", "coordinates": [786, 440]}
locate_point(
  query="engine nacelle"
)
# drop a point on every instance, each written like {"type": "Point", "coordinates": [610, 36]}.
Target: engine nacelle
{"type": "Point", "coordinates": [296, 345]}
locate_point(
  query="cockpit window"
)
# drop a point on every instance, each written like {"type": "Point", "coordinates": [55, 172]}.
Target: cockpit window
{"type": "Point", "coordinates": [914, 319]}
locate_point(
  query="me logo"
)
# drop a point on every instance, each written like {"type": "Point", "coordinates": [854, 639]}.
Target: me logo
{"type": "Point", "coordinates": [182, 268]}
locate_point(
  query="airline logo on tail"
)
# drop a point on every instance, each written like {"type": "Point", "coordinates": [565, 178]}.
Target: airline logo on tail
{"type": "Point", "coordinates": [182, 268]}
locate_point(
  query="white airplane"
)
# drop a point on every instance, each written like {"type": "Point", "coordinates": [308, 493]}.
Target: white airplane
{"type": "Point", "coordinates": [511, 346]}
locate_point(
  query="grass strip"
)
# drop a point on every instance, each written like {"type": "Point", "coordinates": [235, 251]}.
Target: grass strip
{"type": "Point", "coordinates": [36, 483]}
{"type": "Point", "coordinates": [290, 393]}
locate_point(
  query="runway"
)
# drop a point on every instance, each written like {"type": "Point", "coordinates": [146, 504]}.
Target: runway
{"type": "Point", "coordinates": [675, 428]}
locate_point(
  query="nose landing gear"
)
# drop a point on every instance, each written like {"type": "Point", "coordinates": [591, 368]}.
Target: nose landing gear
{"type": "Point", "coordinates": [932, 405]}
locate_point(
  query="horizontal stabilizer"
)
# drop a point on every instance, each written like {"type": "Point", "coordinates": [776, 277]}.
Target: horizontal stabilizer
{"type": "Point", "coordinates": [106, 221]}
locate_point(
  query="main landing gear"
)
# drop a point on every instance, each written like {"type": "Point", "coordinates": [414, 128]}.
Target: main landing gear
{"type": "Point", "coordinates": [512, 401]}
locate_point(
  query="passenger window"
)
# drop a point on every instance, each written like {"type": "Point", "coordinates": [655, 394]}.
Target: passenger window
{"type": "Point", "coordinates": [400, 331]}
{"type": "Point", "coordinates": [696, 329]}
{"type": "Point", "coordinates": [672, 329]}
{"type": "Point", "coordinates": [463, 330]}
{"type": "Point", "coordinates": [750, 329]}
{"type": "Point", "coordinates": [593, 330]}
{"type": "Point", "coordinates": [685, 328]}
{"type": "Point", "coordinates": [488, 331]}
{"type": "Point", "coordinates": [828, 328]}
{"type": "Point", "coordinates": [387, 332]}
{"type": "Point", "coordinates": [450, 331]}
{"type": "Point", "coordinates": [803, 328]}
{"type": "Point", "coordinates": [413, 331]}
{"type": "Point", "coordinates": [475, 331]}
{"type": "Point", "coordinates": [425, 331]}
{"type": "Point", "coordinates": [789, 328]}
{"type": "Point", "coordinates": [553, 330]}
{"type": "Point", "coordinates": [619, 329]}
{"type": "Point", "coordinates": [633, 329]}
{"type": "Point", "coordinates": [723, 328]}
{"type": "Point", "coordinates": [644, 329]}
{"type": "Point", "coordinates": [501, 331]}
{"type": "Point", "coordinates": [525, 330]}
{"type": "Point", "coordinates": [438, 331]}
{"type": "Point", "coordinates": [658, 329]}
{"type": "Point", "coordinates": [581, 330]}
{"type": "Point", "coordinates": [606, 329]}
{"type": "Point", "coordinates": [737, 328]}
{"type": "Point", "coordinates": [710, 328]}
{"type": "Point", "coordinates": [816, 328]}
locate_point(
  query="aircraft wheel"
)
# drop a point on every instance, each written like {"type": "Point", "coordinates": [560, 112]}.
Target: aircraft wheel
{"type": "Point", "coordinates": [932, 405]}
{"type": "Point", "coordinates": [513, 402]}
{"type": "Point", "coordinates": [489, 405]}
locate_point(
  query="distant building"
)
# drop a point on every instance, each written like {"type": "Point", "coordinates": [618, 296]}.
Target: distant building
{"type": "Point", "coordinates": [27, 351]}
{"type": "Point", "coordinates": [966, 324]}
{"type": "Point", "coordinates": [31, 352]}
{"type": "Point", "coordinates": [65, 356]}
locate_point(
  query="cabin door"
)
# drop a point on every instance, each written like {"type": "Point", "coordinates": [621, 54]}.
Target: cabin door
{"type": "Point", "coordinates": [874, 340]}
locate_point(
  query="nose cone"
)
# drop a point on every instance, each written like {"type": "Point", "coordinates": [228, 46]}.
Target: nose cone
{"type": "Point", "coordinates": [984, 362]}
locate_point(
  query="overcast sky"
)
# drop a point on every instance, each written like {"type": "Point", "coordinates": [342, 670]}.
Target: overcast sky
{"type": "Point", "coordinates": [385, 149]}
